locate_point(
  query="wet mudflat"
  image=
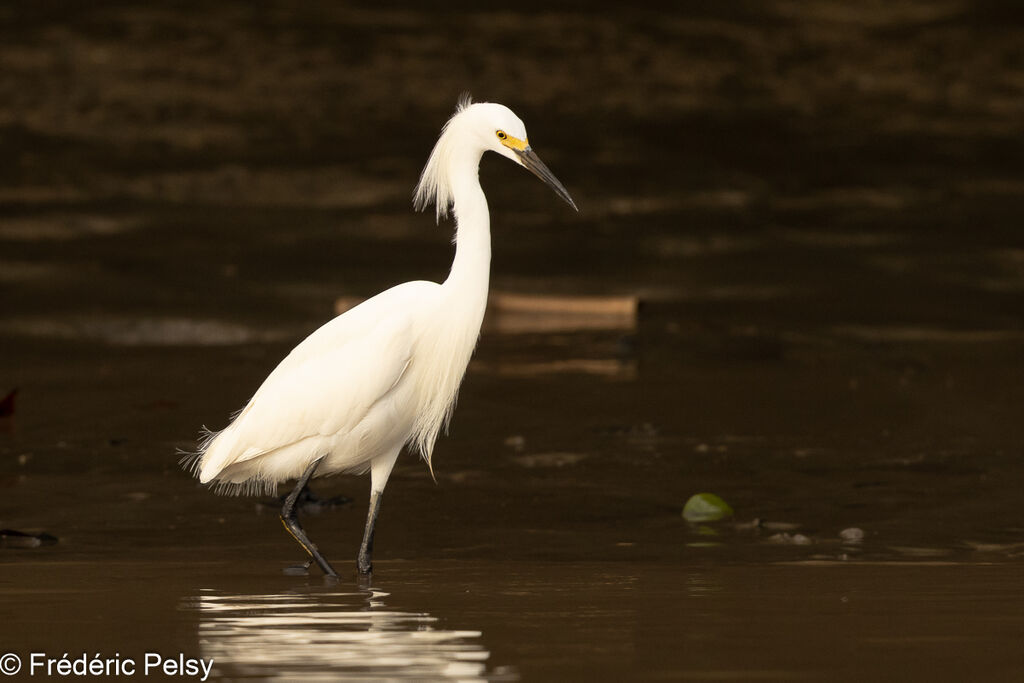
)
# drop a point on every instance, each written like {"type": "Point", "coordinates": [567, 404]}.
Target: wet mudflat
{"type": "Point", "coordinates": [820, 211]}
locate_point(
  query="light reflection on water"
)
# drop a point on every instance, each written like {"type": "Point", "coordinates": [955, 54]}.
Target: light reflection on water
{"type": "Point", "coordinates": [332, 636]}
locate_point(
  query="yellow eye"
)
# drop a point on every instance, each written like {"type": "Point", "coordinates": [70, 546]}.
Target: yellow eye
{"type": "Point", "coordinates": [501, 135]}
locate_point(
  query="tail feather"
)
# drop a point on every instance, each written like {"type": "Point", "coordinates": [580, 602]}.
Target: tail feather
{"type": "Point", "coordinates": [192, 461]}
{"type": "Point", "coordinates": [217, 449]}
{"type": "Point", "coordinates": [214, 464]}
{"type": "Point", "coordinates": [208, 461]}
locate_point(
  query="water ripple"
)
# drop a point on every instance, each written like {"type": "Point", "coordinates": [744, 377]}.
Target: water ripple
{"type": "Point", "coordinates": [332, 636]}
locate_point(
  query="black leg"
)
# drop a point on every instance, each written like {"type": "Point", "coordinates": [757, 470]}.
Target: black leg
{"type": "Point", "coordinates": [365, 559]}
{"type": "Point", "coordinates": [291, 523]}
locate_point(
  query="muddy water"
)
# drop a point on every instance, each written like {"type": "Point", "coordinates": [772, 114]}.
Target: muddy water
{"type": "Point", "coordinates": [820, 209]}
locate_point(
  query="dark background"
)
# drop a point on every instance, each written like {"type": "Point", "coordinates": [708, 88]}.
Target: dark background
{"type": "Point", "coordinates": [819, 205]}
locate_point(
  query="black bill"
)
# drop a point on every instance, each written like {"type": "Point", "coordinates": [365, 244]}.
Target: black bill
{"type": "Point", "coordinates": [536, 166]}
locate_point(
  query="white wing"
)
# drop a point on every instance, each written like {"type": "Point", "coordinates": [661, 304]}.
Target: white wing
{"type": "Point", "coordinates": [328, 383]}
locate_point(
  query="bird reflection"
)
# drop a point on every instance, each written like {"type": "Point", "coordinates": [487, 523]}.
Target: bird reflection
{"type": "Point", "coordinates": [332, 636]}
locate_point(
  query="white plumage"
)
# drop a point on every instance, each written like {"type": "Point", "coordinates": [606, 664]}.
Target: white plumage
{"type": "Point", "coordinates": [387, 372]}
{"type": "Point", "coordinates": [327, 397]}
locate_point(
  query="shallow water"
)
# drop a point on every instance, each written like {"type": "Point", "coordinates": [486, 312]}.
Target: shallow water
{"type": "Point", "coordinates": [701, 619]}
{"type": "Point", "coordinates": [819, 209]}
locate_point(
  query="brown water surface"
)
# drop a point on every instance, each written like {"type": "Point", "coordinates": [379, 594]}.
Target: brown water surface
{"type": "Point", "coordinates": [820, 208]}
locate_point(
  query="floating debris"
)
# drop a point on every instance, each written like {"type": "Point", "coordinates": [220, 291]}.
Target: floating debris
{"type": "Point", "coordinates": [789, 539]}
{"type": "Point", "coordinates": [549, 459]}
{"type": "Point", "coordinates": [9, 538]}
{"type": "Point", "coordinates": [851, 535]}
{"type": "Point", "coordinates": [582, 305]}
{"type": "Point", "coordinates": [995, 547]}
{"type": "Point", "coordinates": [706, 507]}
{"type": "Point", "coordinates": [511, 313]}
{"type": "Point", "coordinates": [516, 442]}
{"type": "Point", "coordinates": [758, 524]}
{"type": "Point", "coordinates": [616, 368]}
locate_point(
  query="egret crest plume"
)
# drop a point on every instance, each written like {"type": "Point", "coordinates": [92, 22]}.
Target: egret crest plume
{"type": "Point", "coordinates": [434, 186]}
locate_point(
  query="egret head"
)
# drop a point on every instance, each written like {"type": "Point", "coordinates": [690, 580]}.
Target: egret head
{"type": "Point", "coordinates": [478, 127]}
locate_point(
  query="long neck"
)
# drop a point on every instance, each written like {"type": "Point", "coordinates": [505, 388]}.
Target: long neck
{"type": "Point", "coordinates": [470, 272]}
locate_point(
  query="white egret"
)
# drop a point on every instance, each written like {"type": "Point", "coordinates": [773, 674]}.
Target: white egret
{"type": "Point", "coordinates": [384, 374]}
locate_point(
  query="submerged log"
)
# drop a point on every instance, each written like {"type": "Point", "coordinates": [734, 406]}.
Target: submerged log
{"type": "Point", "coordinates": [512, 313]}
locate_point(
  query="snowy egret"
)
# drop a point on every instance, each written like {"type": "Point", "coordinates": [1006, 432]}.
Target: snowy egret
{"type": "Point", "coordinates": [386, 373]}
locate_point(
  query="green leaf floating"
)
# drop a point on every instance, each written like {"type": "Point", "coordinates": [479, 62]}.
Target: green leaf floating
{"type": "Point", "coordinates": [706, 507]}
